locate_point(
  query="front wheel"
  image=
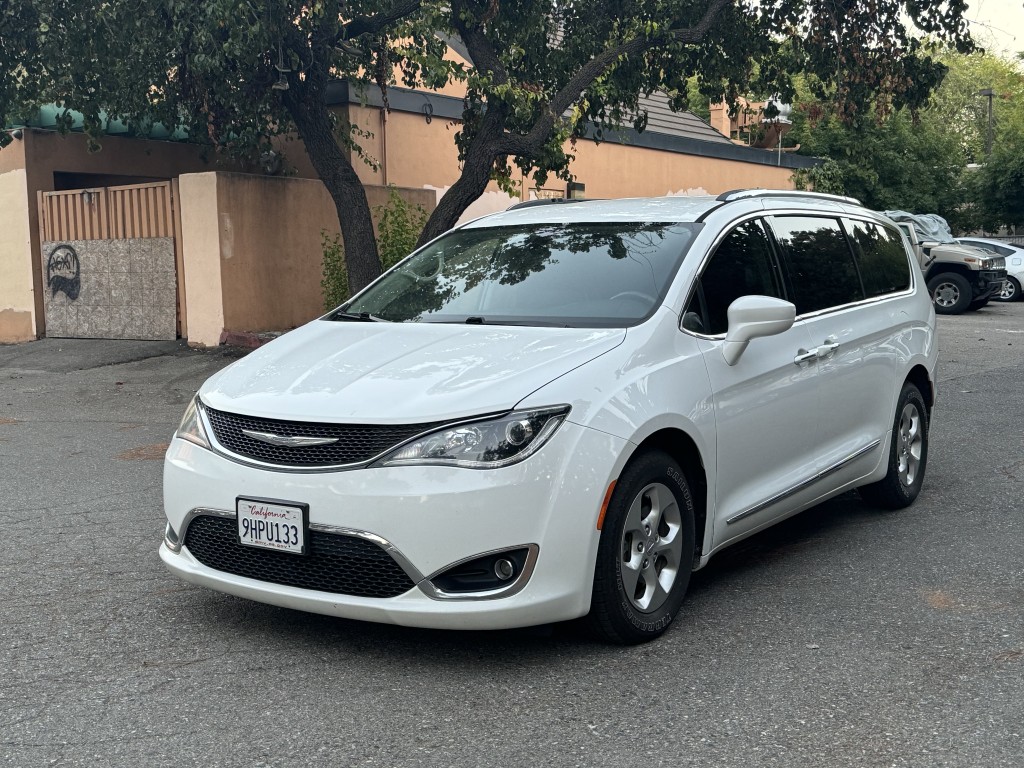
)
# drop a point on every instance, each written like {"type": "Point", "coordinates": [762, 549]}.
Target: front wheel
{"type": "Point", "coordinates": [950, 292]}
{"type": "Point", "coordinates": [908, 455]}
{"type": "Point", "coordinates": [1011, 290]}
{"type": "Point", "coordinates": [645, 555]}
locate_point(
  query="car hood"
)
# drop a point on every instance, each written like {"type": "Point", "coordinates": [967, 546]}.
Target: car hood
{"type": "Point", "coordinates": [390, 373]}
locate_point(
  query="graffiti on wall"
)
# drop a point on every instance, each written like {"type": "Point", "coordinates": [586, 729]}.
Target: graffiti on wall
{"type": "Point", "coordinates": [63, 272]}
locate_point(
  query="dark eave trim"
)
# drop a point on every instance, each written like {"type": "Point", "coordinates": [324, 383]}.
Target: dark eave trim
{"type": "Point", "coordinates": [340, 92]}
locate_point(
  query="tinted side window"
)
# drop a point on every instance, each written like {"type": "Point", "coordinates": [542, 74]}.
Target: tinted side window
{"type": "Point", "coordinates": [819, 261]}
{"type": "Point", "coordinates": [883, 262]}
{"type": "Point", "coordinates": [740, 266]}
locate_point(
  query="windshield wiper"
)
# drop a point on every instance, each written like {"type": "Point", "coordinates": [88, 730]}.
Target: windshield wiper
{"type": "Point", "coordinates": [359, 317]}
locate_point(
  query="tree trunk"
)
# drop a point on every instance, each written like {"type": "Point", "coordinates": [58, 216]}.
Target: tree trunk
{"type": "Point", "coordinates": [316, 129]}
{"type": "Point", "coordinates": [476, 174]}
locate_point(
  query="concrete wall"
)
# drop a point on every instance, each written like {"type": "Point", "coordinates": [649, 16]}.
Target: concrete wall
{"type": "Point", "coordinates": [252, 250]}
{"type": "Point", "coordinates": [45, 153]}
{"type": "Point", "coordinates": [617, 170]}
{"type": "Point", "coordinates": [416, 154]}
{"type": "Point", "coordinates": [17, 297]}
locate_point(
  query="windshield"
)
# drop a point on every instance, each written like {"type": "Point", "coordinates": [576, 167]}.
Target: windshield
{"type": "Point", "coordinates": [583, 275]}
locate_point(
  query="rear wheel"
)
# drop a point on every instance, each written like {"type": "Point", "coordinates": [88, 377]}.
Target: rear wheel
{"type": "Point", "coordinates": [645, 555]}
{"type": "Point", "coordinates": [950, 292]}
{"type": "Point", "coordinates": [1011, 290]}
{"type": "Point", "coordinates": [908, 455]}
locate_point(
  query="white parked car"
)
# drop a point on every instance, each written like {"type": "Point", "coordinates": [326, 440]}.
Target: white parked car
{"type": "Point", "coordinates": [562, 410]}
{"type": "Point", "coordinates": [1014, 255]}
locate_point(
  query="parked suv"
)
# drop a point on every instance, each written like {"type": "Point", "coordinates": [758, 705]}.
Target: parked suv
{"type": "Point", "coordinates": [1012, 254]}
{"type": "Point", "coordinates": [562, 410]}
{"type": "Point", "coordinates": [960, 278]}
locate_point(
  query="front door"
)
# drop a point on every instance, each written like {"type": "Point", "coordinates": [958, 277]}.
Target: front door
{"type": "Point", "coordinates": [766, 405]}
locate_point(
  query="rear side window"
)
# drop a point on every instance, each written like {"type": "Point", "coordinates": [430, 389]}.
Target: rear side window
{"type": "Point", "coordinates": [990, 247]}
{"type": "Point", "coordinates": [883, 263]}
{"type": "Point", "coordinates": [740, 266]}
{"type": "Point", "coordinates": [819, 261]}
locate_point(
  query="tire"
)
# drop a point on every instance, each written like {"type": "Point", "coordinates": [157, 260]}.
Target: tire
{"type": "Point", "coordinates": [1010, 292]}
{"type": "Point", "coordinates": [643, 569]}
{"type": "Point", "coordinates": [950, 292]}
{"type": "Point", "coordinates": [908, 455]}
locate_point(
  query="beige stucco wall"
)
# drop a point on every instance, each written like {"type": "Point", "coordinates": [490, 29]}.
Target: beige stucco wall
{"type": "Point", "coordinates": [17, 298]}
{"type": "Point", "coordinates": [252, 250]}
{"type": "Point", "coordinates": [43, 153]}
{"type": "Point", "coordinates": [413, 153]}
{"type": "Point", "coordinates": [200, 248]}
{"type": "Point", "coordinates": [616, 170]}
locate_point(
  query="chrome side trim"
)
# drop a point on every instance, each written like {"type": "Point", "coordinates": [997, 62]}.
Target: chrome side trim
{"type": "Point", "coordinates": [427, 587]}
{"type": "Point", "coordinates": [174, 544]}
{"type": "Point", "coordinates": [803, 484]}
{"type": "Point", "coordinates": [767, 214]}
{"type": "Point", "coordinates": [403, 562]}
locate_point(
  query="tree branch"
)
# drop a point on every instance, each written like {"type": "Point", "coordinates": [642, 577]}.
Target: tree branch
{"type": "Point", "coordinates": [485, 58]}
{"type": "Point", "coordinates": [593, 69]}
{"type": "Point", "coordinates": [372, 25]}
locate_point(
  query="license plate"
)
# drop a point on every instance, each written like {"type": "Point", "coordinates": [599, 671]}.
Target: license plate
{"type": "Point", "coordinates": [272, 525]}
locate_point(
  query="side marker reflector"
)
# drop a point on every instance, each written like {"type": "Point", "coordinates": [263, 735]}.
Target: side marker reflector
{"type": "Point", "coordinates": [604, 506]}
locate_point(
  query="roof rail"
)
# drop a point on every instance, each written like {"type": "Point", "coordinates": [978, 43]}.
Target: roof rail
{"type": "Point", "coordinates": [544, 201]}
{"type": "Point", "coordinates": [739, 194]}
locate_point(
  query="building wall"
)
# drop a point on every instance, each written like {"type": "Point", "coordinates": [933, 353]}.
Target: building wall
{"type": "Point", "coordinates": [253, 252]}
{"type": "Point", "coordinates": [45, 153]}
{"type": "Point", "coordinates": [17, 297]}
{"type": "Point", "coordinates": [615, 170]}
{"type": "Point", "coordinates": [416, 154]}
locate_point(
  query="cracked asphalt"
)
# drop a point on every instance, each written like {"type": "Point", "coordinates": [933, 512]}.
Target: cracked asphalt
{"type": "Point", "coordinates": [842, 637]}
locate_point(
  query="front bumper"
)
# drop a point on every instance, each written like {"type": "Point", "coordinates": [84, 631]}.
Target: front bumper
{"type": "Point", "coordinates": [989, 283]}
{"type": "Point", "coordinates": [428, 518]}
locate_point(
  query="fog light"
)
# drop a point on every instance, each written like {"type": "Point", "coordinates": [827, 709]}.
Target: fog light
{"type": "Point", "coordinates": [504, 569]}
{"type": "Point", "coordinates": [480, 574]}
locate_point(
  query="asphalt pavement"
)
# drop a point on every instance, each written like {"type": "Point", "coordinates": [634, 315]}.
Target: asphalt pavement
{"type": "Point", "coordinates": [842, 637]}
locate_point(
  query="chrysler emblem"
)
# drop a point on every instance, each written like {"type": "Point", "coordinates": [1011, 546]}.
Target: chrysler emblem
{"type": "Point", "coordinates": [288, 441]}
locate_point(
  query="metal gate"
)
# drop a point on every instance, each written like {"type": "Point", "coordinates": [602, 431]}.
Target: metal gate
{"type": "Point", "coordinates": [111, 262]}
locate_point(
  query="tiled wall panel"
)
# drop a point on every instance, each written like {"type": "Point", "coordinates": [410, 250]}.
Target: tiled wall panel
{"type": "Point", "coordinates": [110, 289]}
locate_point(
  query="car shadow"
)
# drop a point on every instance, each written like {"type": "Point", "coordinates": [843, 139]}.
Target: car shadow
{"type": "Point", "coordinates": [817, 531]}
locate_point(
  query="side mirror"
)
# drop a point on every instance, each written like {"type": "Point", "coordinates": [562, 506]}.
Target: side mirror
{"type": "Point", "coordinates": [929, 244]}
{"type": "Point", "coordinates": [751, 317]}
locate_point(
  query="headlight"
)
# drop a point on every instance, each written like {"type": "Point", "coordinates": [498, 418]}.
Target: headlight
{"type": "Point", "coordinates": [485, 444]}
{"type": "Point", "coordinates": [191, 427]}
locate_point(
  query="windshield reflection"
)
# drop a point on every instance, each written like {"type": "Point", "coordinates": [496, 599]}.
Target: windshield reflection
{"type": "Point", "coordinates": [600, 275]}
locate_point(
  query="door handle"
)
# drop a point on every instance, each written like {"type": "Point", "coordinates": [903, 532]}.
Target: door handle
{"type": "Point", "coordinates": [803, 356]}
{"type": "Point", "coordinates": [831, 345]}
{"type": "Point", "coordinates": [826, 349]}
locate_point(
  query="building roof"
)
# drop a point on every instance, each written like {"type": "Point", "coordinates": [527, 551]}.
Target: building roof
{"type": "Point", "coordinates": [661, 119]}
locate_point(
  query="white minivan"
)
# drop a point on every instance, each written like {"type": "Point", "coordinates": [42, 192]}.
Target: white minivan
{"type": "Point", "coordinates": [562, 410]}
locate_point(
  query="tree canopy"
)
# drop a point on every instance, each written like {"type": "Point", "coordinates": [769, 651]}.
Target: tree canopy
{"type": "Point", "coordinates": [543, 73]}
{"type": "Point", "coordinates": [947, 157]}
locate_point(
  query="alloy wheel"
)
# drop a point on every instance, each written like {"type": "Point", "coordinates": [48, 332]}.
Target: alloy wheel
{"type": "Point", "coordinates": [911, 444]}
{"type": "Point", "coordinates": [651, 547]}
{"type": "Point", "coordinates": [946, 294]}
